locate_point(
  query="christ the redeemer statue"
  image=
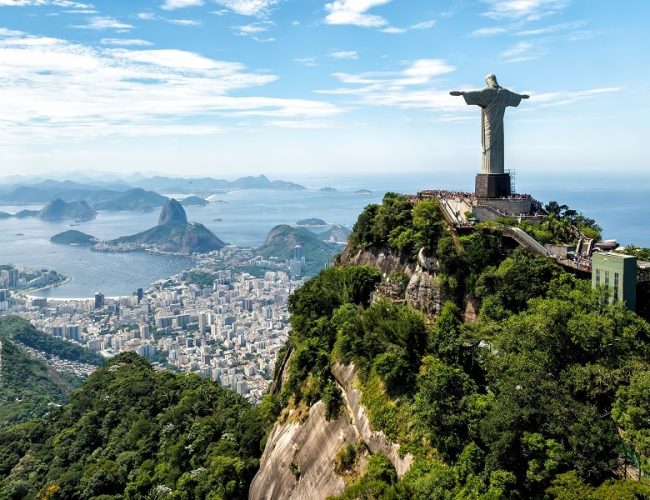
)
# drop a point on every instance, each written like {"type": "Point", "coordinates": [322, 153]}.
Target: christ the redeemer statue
{"type": "Point", "coordinates": [493, 101]}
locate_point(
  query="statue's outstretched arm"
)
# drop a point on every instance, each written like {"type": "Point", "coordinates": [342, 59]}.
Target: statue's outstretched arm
{"type": "Point", "coordinates": [525, 96]}
{"type": "Point", "coordinates": [456, 93]}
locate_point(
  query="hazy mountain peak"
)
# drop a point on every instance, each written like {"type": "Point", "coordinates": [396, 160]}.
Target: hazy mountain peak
{"type": "Point", "coordinates": [172, 211]}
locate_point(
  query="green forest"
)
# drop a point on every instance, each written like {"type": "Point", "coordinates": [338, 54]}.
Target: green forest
{"type": "Point", "coordinates": [132, 432]}
{"type": "Point", "coordinates": [29, 388]}
{"type": "Point", "coordinates": [22, 331]}
{"type": "Point", "coordinates": [545, 395]}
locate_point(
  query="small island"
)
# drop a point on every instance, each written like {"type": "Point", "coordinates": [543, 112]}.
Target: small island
{"type": "Point", "coordinates": [328, 190]}
{"type": "Point", "coordinates": [194, 201]}
{"type": "Point", "coordinates": [59, 209]}
{"type": "Point", "coordinates": [363, 192]}
{"type": "Point", "coordinates": [26, 213]}
{"type": "Point", "coordinates": [173, 235]}
{"type": "Point", "coordinates": [312, 222]}
{"type": "Point", "coordinates": [74, 238]}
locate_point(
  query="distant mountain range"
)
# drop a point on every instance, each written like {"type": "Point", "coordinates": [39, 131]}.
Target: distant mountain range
{"type": "Point", "coordinates": [207, 184]}
{"type": "Point", "coordinates": [141, 194]}
{"type": "Point", "coordinates": [96, 198]}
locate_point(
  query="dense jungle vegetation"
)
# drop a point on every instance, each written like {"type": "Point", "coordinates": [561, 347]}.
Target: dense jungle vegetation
{"type": "Point", "coordinates": [546, 394]}
{"type": "Point", "coordinates": [132, 432]}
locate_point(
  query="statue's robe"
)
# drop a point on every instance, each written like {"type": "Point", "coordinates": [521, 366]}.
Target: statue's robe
{"type": "Point", "coordinates": [493, 102]}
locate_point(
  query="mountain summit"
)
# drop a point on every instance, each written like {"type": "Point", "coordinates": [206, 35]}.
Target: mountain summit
{"type": "Point", "coordinates": [172, 211]}
{"type": "Point", "coordinates": [173, 234]}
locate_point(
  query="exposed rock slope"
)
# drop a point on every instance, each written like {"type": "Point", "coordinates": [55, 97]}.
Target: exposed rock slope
{"type": "Point", "coordinates": [298, 460]}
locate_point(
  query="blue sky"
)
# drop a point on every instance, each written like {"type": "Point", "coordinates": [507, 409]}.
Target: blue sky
{"type": "Point", "coordinates": [299, 88]}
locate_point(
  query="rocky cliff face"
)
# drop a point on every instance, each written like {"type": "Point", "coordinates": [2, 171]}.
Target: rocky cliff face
{"type": "Point", "coordinates": [424, 292]}
{"type": "Point", "coordinates": [172, 211]}
{"type": "Point", "coordinates": [298, 460]}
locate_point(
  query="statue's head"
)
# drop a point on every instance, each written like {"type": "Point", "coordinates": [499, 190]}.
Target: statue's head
{"type": "Point", "coordinates": [491, 80]}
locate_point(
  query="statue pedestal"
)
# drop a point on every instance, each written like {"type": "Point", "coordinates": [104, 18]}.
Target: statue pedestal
{"type": "Point", "coordinates": [492, 185]}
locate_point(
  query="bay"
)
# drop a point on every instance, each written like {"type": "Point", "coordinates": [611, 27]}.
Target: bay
{"type": "Point", "coordinates": [244, 218]}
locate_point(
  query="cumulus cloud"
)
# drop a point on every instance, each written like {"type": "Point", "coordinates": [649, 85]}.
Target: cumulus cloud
{"type": "Point", "coordinates": [355, 12]}
{"type": "Point", "coordinates": [345, 54]}
{"type": "Point", "coordinates": [529, 10]}
{"type": "Point", "coordinates": [55, 89]}
{"type": "Point", "coordinates": [248, 7]}
{"type": "Point", "coordinates": [40, 3]}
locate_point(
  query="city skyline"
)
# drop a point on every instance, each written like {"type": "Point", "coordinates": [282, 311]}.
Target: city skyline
{"type": "Point", "coordinates": [237, 87]}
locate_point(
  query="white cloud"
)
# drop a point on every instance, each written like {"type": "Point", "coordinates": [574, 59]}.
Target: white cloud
{"type": "Point", "coordinates": [252, 30]}
{"type": "Point", "coordinates": [55, 89]}
{"type": "Point", "coordinates": [248, 7]}
{"type": "Point", "coordinates": [563, 98]}
{"type": "Point", "coordinates": [552, 28]}
{"type": "Point", "coordinates": [355, 12]}
{"type": "Point", "coordinates": [126, 42]}
{"type": "Point", "coordinates": [413, 87]}
{"type": "Point", "coordinates": [104, 23]}
{"type": "Point", "coordinates": [529, 10]}
{"type": "Point", "coordinates": [306, 61]}
{"type": "Point", "coordinates": [40, 3]}
{"type": "Point", "coordinates": [150, 16]}
{"type": "Point", "coordinates": [345, 54]}
{"type": "Point", "coordinates": [180, 4]}
{"type": "Point", "coordinates": [425, 25]}
{"type": "Point", "coordinates": [393, 30]}
{"type": "Point", "coordinates": [75, 11]}
{"type": "Point", "coordinates": [184, 22]}
{"type": "Point", "coordinates": [8, 32]}
{"type": "Point", "coordinates": [147, 16]}
{"type": "Point", "coordinates": [481, 32]}
{"type": "Point", "coordinates": [522, 51]}
{"type": "Point", "coordinates": [249, 29]}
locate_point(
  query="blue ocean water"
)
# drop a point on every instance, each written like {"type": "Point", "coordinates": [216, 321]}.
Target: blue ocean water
{"type": "Point", "coordinates": [245, 217]}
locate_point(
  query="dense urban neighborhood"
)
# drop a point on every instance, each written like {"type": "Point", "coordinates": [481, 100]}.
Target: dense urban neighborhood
{"type": "Point", "coordinates": [225, 319]}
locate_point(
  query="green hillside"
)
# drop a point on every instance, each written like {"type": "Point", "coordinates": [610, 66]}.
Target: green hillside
{"type": "Point", "coordinates": [73, 237]}
{"type": "Point", "coordinates": [176, 237]}
{"type": "Point", "coordinates": [28, 387]}
{"type": "Point", "coordinates": [132, 432]}
{"type": "Point", "coordinates": [282, 239]}
{"type": "Point", "coordinates": [23, 331]}
{"type": "Point", "coordinates": [537, 398]}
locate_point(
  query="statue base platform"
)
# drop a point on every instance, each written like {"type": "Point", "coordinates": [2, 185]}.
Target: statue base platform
{"type": "Point", "coordinates": [492, 186]}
